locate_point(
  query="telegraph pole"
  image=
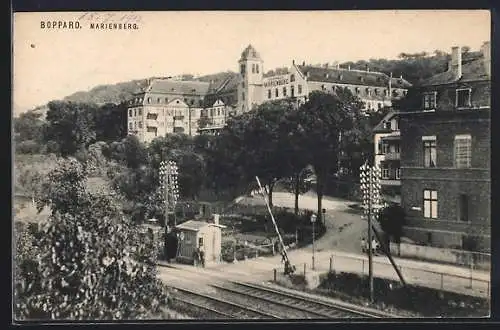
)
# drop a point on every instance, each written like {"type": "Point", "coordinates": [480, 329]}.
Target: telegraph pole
{"type": "Point", "coordinates": [370, 185]}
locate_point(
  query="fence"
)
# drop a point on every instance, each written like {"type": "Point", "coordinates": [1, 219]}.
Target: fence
{"type": "Point", "coordinates": [475, 260]}
{"type": "Point", "coordinates": [469, 284]}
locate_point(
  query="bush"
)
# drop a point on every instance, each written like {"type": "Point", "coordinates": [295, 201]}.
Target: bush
{"type": "Point", "coordinates": [28, 147]}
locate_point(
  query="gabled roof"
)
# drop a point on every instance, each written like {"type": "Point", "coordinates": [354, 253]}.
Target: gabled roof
{"type": "Point", "coordinates": [471, 71]}
{"type": "Point", "coordinates": [351, 77]}
{"type": "Point", "coordinates": [168, 86]}
{"type": "Point", "coordinates": [380, 127]}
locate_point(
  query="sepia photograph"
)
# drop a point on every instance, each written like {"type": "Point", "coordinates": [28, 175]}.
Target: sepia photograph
{"type": "Point", "coordinates": [251, 165]}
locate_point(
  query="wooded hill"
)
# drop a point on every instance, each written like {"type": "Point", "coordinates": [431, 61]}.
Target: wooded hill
{"type": "Point", "coordinates": [413, 67]}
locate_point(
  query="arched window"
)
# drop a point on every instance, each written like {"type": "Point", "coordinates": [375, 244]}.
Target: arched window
{"type": "Point", "coordinates": [292, 78]}
{"type": "Point", "coordinates": [166, 100]}
{"type": "Point", "coordinates": [149, 100]}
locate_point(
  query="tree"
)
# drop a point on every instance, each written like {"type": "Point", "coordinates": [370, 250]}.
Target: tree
{"type": "Point", "coordinates": [322, 121]}
{"type": "Point", "coordinates": [392, 220]}
{"type": "Point", "coordinates": [29, 126]}
{"type": "Point", "coordinates": [92, 262]}
{"type": "Point", "coordinates": [111, 122]}
{"type": "Point", "coordinates": [71, 126]}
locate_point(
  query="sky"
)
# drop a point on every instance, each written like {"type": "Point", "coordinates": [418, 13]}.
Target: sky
{"type": "Point", "coordinates": [50, 64]}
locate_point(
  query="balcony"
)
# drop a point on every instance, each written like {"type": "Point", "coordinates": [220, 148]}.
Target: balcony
{"type": "Point", "coordinates": [390, 182]}
{"type": "Point", "coordinates": [393, 156]}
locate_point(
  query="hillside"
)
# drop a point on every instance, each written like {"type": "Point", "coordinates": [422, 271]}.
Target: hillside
{"type": "Point", "coordinates": [413, 67]}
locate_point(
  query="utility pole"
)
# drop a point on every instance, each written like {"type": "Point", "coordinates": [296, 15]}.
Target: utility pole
{"type": "Point", "coordinates": [370, 186]}
{"type": "Point", "coordinates": [313, 221]}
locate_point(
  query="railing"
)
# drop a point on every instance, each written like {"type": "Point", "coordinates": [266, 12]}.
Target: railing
{"type": "Point", "coordinates": [393, 156]}
{"type": "Point", "coordinates": [471, 284]}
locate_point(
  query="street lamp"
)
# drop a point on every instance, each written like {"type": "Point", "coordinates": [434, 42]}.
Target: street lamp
{"type": "Point", "coordinates": [313, 221]}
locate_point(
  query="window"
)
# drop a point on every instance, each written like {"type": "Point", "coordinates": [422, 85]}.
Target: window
{"type": "Point", "coordinates": [430, 204]}
{"type": "Point", "coordinates": [149, 100]}
{"type": "Point", "coordinates": [368, 92]}
{"type": "Point", "coordinates": [429, 101]}
{"type": "Point", "coordinates": [388, 125]}
{"type": "Point", "coordinates": [385, 148]}
{"type": "Point", "coordinates": [268, 93]}
{"type": "Point", "coordinates": [396, 125]}
{"type": "Point", "coordinates": [463, 151]}
{"type": "Point", "coordinates": [376, 91]}
{"type": "Point", "coordinates": [243, 96]}
{"type": "Point", "coordinates": [253, 68]}
{"type": "Point", "coordinates": [130, 113]}
{"type": "Point", "coordinates": [385, 172]}
{"type": "Point", "coordinates": [140, 112]}
{"type": "Point", "coordinates": [166, 100]}
{"type": "Point", "coordinates": [292, 91]}
{"type": "Point", "coordinates": [135, 112]}
{"type": "Point", "coordinates": [158, 100]}
{"type": "Point", "coordinates": [140, 124]}
{"type": "Point", "coordinates": [396, 148]}
{"type": "Point", "coordinates": [299, 89]}
{"type": "Point", "coordinates": [200, 242]}
{"type": "Point", "coordinates": [153, 116]}
{"type": "Point", "coordinates": [380, 106]}
{"type": "Point", "coordinates": [284, 91]}
{"type": "Point", "coordinates": [277, 92]}
{"type": "Point", "coordinates": [463, 98]}
{"type": "Point", "coordinates": [292, 78]}
{"type": "Point", "coordinates": [356, 90]}
{"type": "Point", "coordinates": [429, 151]}
{"type": "Point", "coordinates": [242, 69]}
{"type": "Point", "coordinates": [398, 173]}
{"type": "Point", "coordinates": [257, 68]}
{"type": "Point", "coordinates": [463, 208]}
{"type": "Point", "coordinates": [130, 126]}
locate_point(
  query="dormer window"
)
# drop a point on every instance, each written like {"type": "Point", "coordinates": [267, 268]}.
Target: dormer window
{"type": "Point", "coordinates": [166, 100]}
{"type": "Point", "coordinates": [158, 100]}
{"type": "Point", "coordinates": [356, 90]}
{"type": "Point", "coordinates": [340, 77]}
{"type": "Point", "coordinates": [368, 92]}
{"type": "Point", "coordinates": [463, 98]}
{"type": "Point", "coordinates": [429, 101]}
{"type": "Point", "coordinates": [292, 78]}
{"type": "Point", "coordinates": [376, 91]}
{"type": "Point", "coordinates": [149, 100]}
{"type": "Point", "coordinates": [323, 87]}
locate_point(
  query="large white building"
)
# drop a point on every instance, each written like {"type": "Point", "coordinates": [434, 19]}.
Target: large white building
{"type": "Point", "coordinates": [191, 107]}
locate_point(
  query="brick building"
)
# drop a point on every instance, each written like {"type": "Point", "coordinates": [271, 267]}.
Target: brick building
{"type": "Point", "coordinates": [445, 154]}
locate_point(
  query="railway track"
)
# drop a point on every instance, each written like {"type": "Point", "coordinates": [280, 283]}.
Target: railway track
{"type": "Point", "coordinates": [216, 308]}
{"type": "Point", "coordinates": [305, 307]}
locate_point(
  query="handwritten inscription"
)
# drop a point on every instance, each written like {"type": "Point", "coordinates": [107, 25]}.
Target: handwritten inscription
{"type": "Point", "coordinates": [110, 17]}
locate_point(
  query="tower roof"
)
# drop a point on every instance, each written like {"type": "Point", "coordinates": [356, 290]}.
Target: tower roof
{"type": "Point", "coordinates": [250, 54]}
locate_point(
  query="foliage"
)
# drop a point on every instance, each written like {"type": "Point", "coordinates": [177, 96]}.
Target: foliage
{"type": "Point", "coordinates": [70, 126]}
{"type": "Point", "coordinates": [92, 263]}
{"type": "Point", "coordinates": [392, 220]}
{"type": "Point", "coordinates": [111, 122]}
{"type": "Point", "coordinates": [322, 123]}
{"type": "Point", "coordinates": [29, 126]}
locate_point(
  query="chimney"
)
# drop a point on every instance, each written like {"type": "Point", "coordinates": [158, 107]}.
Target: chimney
{"type": "Point", "coordinates": [293, 62]}
{"type": "Point", "coordinates": [216, 218]}
{"type": "Point", "coordinates": [456, 62]}
{"type": "Point", "coordinates": [338, 66]}
{"type": "Point", "coordinates": [326, 65]}
{"type": "Point", "coordinates": [367, 68]}
{"type": "Point", "coordinates": [486, 51]}
{"type": "Point", "coordinates": [303, 63]}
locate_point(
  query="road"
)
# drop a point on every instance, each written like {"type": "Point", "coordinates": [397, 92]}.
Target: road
{"type": "Point", "coordinates": [342, 242]}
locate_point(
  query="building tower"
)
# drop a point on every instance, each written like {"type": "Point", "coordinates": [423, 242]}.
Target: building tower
{"type": "Point", "coordinates": [250, 90]}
